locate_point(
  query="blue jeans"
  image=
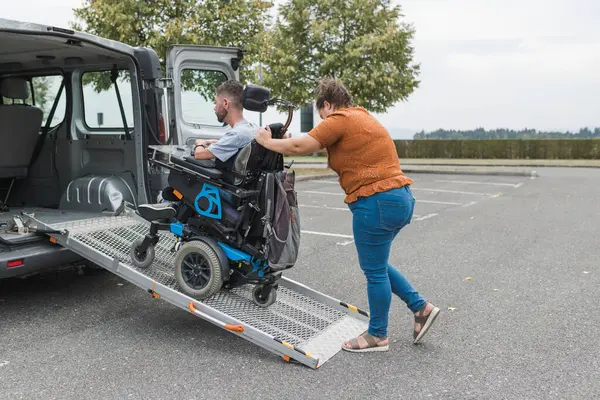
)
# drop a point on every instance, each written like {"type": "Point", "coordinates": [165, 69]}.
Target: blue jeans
{"type": "Point", "coordinates": [376, 220]}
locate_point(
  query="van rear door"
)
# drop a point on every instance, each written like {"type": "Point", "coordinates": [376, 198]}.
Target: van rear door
{"type": "Point", "coordinates": [193, 73]}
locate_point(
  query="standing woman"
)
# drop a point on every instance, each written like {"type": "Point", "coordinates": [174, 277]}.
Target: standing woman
{"type": "Point", "coordinates": [362, 153]}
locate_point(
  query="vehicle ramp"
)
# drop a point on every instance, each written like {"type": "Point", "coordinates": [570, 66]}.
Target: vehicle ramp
{"type": "Point", "coordinates": [303, 325]}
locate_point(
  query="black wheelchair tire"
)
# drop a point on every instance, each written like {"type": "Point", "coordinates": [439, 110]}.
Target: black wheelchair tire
{"type": "Point", "coordinates": [271, 298]}
{"type": "Point", "coordinates": [148, 257]}
{"type": "Point", "coordinates": [215, 281]}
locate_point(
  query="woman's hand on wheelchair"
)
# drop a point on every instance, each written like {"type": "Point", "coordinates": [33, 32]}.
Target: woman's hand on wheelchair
{"type": "Point", "coordinates": [265, 134]}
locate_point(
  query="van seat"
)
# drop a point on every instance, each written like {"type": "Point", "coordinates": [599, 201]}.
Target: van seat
{"type": "Point", "coordinates": [20, 126]}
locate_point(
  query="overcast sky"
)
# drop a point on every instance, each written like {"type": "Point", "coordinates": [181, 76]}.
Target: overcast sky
{"type": "Point", "coordinates": [488, 63]}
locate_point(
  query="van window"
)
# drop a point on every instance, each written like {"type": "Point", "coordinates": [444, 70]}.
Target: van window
{"type": "Point", "coordinates": [101, 104]}
{"type": "Point", "coordinates": [198, 95]}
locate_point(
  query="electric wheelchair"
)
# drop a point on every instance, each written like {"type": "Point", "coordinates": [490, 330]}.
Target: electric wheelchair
{"type": "Point", "coordinates": [234, 224]}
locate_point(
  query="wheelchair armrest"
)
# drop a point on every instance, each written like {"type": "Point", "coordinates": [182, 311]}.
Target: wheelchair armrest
{"type": "Point", "coordinates": [196, 166]}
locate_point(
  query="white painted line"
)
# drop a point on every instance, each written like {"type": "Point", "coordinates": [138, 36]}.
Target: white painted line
{"type": "Point", "coordinates": [319, 192]}
{"type": "Point", "coordinates": [329, 182]}
{"type": "Point", "coordinates": [425, 217]}
{"type": "Point", "coordinates": [449, 203]}
{"type": "Point", "coordinates": [453, 191]}
{"type": "Point", "coordinates": [328, 234]}
{"type": "Point", "coordinates": [518, 185]}
{"type": "Point", "coordinates": [324, 207]}
{"type": "Point", "coordinates": [345, 243]}
{"type": "Point", "coordinates": [515, 185]}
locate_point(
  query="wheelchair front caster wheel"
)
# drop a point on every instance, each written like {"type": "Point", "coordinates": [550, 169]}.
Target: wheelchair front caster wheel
{"type": "Point", "coordinates": [263, 299]}
{"type": "Point", "coordinates": [142, 258]}
{"type": "Point", "coordinates": [198, 270]}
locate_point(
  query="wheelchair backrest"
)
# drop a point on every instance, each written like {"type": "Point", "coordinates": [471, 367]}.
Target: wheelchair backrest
{"type": "Point", "coordinates": [249, 161]}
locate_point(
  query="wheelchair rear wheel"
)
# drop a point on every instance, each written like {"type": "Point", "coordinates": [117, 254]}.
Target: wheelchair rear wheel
{"type": "Point", "coordinates": [198, 270]}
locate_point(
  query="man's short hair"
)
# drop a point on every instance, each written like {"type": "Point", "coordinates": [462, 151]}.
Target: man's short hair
{"type": "Point", "coordinates": [233, 90]}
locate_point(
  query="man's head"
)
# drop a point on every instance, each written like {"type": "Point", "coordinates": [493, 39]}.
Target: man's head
{"type": "Point", "coordinates": [331, 95]}
{"type": "Point", "coordinates": [228, 101]}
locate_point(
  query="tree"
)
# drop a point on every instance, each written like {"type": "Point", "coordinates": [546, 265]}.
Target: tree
{"type": "Point", "coordinates": [360, 42]}
{"type": "Point", "coordinates": [41, 88]}
{"type": "Point", "coordinates": [161, 23]}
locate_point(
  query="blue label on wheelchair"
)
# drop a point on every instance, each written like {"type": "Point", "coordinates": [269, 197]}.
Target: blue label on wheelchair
{"type": "Point", "coordinates": [208, 202]}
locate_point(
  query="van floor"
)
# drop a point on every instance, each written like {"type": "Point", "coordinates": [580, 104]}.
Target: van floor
{"type": "Point", "coordinates": [48, 215]}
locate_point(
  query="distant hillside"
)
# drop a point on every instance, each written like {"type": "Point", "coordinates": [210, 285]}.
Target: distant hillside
{"type": "Point", "coordinates": [480, 133]}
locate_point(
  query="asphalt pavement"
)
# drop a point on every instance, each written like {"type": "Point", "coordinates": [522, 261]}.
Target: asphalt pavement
{"type": "Point", "coordinates": [512, 261]}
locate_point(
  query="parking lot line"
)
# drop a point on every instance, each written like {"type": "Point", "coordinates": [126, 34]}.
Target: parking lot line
{"type": "Point", "coordinates": [448, 203]}
{"type": "Point", "coordinates": [515, 185]}
{"type": "Point", "coordinates": [328, 234]}
{"type": "Point", "coordinates": [454, 192]}
{"type": "Point", "coordinates": [419, 218]}
{"type": "Point", "coordinates": [324, 207]}
{"type": "Point", "coordinates": [319, 192]}
{"type": "Point", "coordinates": [334, 208]}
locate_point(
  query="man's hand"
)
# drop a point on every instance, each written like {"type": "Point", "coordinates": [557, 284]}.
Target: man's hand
{"type": "Point", "coordinates": [203, 142]}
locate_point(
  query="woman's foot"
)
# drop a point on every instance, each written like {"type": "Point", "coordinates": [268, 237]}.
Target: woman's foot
{"type": "Point", "coordinates": [423, 320]}
{"type": "Point", "coordinates": [367, 343]}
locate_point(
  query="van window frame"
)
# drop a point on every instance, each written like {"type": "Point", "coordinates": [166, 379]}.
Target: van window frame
{"type": "Point", "coordinates": [106, 131]}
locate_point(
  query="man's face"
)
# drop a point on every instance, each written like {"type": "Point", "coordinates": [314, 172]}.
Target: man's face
{"type": "Point", "coordinates": [221, 107]}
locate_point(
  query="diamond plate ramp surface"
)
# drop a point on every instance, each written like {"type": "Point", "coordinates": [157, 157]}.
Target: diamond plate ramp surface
{"type": "Point", "coordinates": [300, 319]}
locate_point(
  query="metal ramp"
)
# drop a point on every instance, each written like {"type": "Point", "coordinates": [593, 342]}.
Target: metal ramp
{"type": "Point", "coordinates": [303, 325]}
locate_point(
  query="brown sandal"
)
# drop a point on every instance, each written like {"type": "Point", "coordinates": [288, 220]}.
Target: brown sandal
{"type": "Point", "coordinates": [425, 322]}
{"type": "Point", "coordinates": [367, 343]}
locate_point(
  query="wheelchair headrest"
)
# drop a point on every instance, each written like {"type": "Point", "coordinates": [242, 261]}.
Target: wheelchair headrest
{"type": "Point", "coordinates": [255, 98]}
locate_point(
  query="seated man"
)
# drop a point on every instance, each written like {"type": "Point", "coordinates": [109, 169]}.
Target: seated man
{"type": "Point", "coordinates": [229, 109]}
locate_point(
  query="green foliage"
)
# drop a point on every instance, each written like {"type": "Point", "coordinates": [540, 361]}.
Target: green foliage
{"type": "Point", "coordinates": [160, 23]}
{"type": "Point", "coordinates": [41, 93]}
{"type": "Point", "coordinates": [480, 133]}
{"type": "Point", "coordinates": [360, 42]}
{"type": "Point", "coordinates": [516, 149]}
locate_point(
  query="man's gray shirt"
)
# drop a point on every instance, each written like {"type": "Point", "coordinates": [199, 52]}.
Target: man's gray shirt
{"type": "Point", "coordinates": [236, 138]}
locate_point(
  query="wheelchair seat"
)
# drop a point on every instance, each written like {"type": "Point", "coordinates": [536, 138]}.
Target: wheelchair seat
{"type": "Point", "coordinates": [190, 162]}
{"type": "Point", "coordinates": [156, 212]}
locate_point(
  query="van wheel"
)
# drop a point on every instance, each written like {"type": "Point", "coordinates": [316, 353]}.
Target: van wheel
{"type": "Point", "coordinates": [142, 259]}
{"type": "Point", "coordinates": [198, 270]}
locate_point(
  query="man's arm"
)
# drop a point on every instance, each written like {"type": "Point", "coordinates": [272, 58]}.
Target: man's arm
{"type": "Point", "coordinates": [202, 153]}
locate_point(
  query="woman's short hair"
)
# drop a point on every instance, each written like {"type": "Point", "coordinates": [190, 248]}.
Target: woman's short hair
{"type": "Point", "coordinates": [334, 92]}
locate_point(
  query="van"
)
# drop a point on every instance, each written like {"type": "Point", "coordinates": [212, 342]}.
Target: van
{"type": "Point", "coordinates": [77, 116]}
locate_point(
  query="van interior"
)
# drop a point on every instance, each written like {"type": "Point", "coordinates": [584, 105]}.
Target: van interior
{"type": "Point", "coordinates": [68, 130]}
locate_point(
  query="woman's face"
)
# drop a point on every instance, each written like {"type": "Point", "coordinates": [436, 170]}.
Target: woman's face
{"type": "Point", "coordinates": [326, 110]}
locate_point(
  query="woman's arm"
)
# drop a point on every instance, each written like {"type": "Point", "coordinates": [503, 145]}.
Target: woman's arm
{"type": "Point", "coordinates": [294, 146]}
